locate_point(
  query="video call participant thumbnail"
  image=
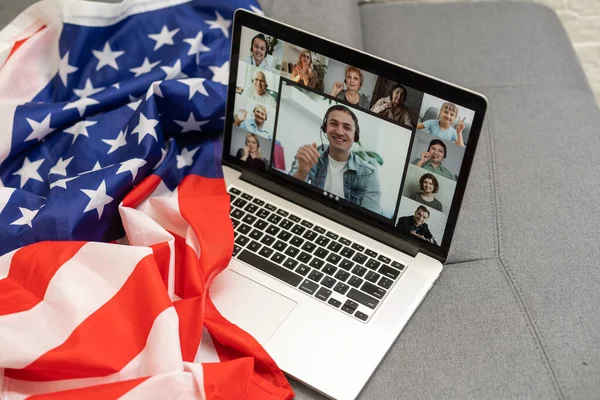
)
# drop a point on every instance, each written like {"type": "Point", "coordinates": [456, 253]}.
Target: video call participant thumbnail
{"type": "Point", "coordinates": [428, 186]}
{"type": "Point", "coordinates": [251, 154]}
{"type": "Point", "coordinates": [255, 124]}
{"type": "Point", "coordinates": [303, 71]}
{"type": "Point", "coordinates": [353, 78]}
{"type": "Point", "coordinates": [336, 169]}
{"type": "Point", "coordinates": [257, 92]}
{"type": "Point", "coordinates": [392, 106]}
{"type": "Point", "coordinates": [259, 49]}
{"type": "Point", "coordinates": [442, 127]}
{"type": "Point", "coordinates": [416, 224]}
{"type": "Point", "coordinates": [431, 160]}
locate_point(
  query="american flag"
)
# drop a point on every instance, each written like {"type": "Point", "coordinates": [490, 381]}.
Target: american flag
{"type": "Point", "coordinates": [114, 217]}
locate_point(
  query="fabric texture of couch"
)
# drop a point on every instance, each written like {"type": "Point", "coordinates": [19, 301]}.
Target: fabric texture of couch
{"type": "Point", "coordinates": [515, 312]}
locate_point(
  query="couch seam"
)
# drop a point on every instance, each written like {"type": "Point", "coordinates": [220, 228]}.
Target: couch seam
{"type": "Point", "coordinates": [511, 279]}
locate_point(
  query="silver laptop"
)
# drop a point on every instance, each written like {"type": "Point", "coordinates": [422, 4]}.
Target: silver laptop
{"type": "Point", "coordinates": [346, 174]}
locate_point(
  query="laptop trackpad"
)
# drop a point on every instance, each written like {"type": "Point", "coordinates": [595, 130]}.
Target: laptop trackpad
{"type": "Point", "coordinates": [251, 306]}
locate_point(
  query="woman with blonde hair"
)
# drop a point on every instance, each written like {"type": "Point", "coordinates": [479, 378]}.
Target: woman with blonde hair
{"type": "Point", "coordinates": [303, 71]}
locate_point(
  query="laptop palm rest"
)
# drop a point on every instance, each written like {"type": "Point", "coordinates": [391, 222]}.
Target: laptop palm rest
{"type": "Point", "coordinates": [251, 306]}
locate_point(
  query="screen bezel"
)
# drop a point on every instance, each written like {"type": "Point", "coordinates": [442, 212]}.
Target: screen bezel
{"type": "Point", "coordinates": [379, 67]}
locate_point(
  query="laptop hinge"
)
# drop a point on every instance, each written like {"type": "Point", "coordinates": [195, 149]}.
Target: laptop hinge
{"type": "Point", "coordinates": [327, 212]}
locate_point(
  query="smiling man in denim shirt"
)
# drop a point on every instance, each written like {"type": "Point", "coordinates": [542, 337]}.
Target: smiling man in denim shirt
{"type": "Point", "coordinates": [336, 169]}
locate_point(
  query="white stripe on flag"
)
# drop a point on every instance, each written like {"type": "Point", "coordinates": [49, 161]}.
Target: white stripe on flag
{"type": "Point", "coordinates": [206, 351]}
{"type": "Point", "coordinates": [177, 385]}
{"type": "Point", "coordinates": [161, 355]}
{"type": "Point", "coordinates": [5, 194]}
{"type": "Point", "coordinates": [5, 261]}
{"type": "Point", "coordinates": [7, 116]}
{"type": "Point", "coordinates": [79, 288]}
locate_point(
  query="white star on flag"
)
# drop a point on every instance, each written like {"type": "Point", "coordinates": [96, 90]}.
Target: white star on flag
{"type": "Point", "coordinates": [116, 143]}
{"type": "Point", "coordinates": [132, 165]}
{"type": "Point", "coordinates": [80, 128]}
{"type": "Point", "coordinates": [154, 89]}
{"type": "Point", "coordinates": [61, 166]}
{"type": "Point", "coordinates": [98, 199]}
{"type": "Point", "coordinates": [191, 124]}
{"type": "Point", "coordinates": [117, 86]}
{"type": "Point", "coordinates": [40, 129]}
{"type": "Point", "coordinates": [88, 90]}
{"type": "Point", "coordinates": [196, 85]}
{"type": "Point", "coordinates": [162, 158]}
{"type": "Point", "coordinates": [257, 10]}
{"type": "Point", "coordinates": [164, 37]}
{"type": "Point", "coordinates": [221, 74]}
{"type": "Point", "coordinates": [134, 103]}
{"type": "Point", "coordinates": [64, 69]}
{"type": "Point", "coordinates": [145, 127]}
{"type": "Point", "coordinates": [220, 23]}
{"type": "Point", "coordinates": [29, 170]}
{"type": "Point", "coordinates": [196, 46]}
{"type": "Point", "coordinates": [81, 104]}
{"type": "Point", "coordinates": [97, 167]}
{"type": "Point", "coordinates": [107, 57]}
{"type": "Point", "coordinates": [27, 216]}
{"type": "Point", "coordinates": [62, 182]}
{"type": "Point", "coordinates": [186, 158]}
{"type": "Point", "coordinates": [174, 72]}
{"type": "Point", "coordinates": [144, 68]}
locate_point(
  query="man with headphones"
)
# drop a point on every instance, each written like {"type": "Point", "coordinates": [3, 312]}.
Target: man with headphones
{"type": "Point", "coordinates": [431, 160]}
{"type": "Point", "coordinates": [255, 124]}
{"type": "Point", "coordinates": [258, 91]}
{"type": "Point", "coordinates": [335, 168]}
{"type": "Point", "coordinates": [259, 49]}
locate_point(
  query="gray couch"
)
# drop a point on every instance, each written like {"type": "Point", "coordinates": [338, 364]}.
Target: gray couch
{"type": "Point", "coordinates": [515, 313]}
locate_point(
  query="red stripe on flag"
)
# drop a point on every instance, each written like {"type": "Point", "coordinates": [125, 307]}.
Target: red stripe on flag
{"type": "Point", "coordinates": [101, 392]}
{"type": "Point", "coordinates": [32, 267]}
{"type": "Point", "coordinates": [162, 255]}
{"type": "Point", "coordinates": [111, 337]}
{"type": "Point", "coordinates": [191, 316]}
{"type": "Point", "coordinates": [189, 278]}
{"type": "Point", "coordinates": [141, 191]}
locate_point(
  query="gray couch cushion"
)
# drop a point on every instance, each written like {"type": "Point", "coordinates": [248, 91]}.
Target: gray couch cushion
{"type": "Point", "coordinates": [515, 312]}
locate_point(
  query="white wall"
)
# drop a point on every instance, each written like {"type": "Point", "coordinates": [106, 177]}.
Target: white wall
{"type": "Point", "coordinates": [301, 116]}
{"type": "Point", "coordinates": [444, 194]}
{"type": "Point", "coordinates": [436, 222]}
{"type": "Point", "coordinates": [336, 73]}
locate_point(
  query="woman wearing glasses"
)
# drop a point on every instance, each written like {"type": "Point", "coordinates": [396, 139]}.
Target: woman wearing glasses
{"type": "Point", "coordinates": [303, 72]}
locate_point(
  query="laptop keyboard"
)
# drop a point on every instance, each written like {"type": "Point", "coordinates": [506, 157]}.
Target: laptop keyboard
{"type": "Point", "coordinates": [320, 263]}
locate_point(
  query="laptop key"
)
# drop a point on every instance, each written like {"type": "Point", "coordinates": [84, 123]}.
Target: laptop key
{"type": "Point", "coordinates": [267, 239]}
{"type": "Point", "coordinates": [323, 294]}
{"type": "Point", "coordinates": [359, 270]}
{"type": "Point", "coordinates": [342, 275]}
{"type": "Point", "coordinates": [334, 258]}
{"type": "Point", "coordinates": [359, 258]}
{"type": "Point", "coordinates": [334, 246]}
{"type": "Point", "coordinates": [243, 228]}
{"type": "Point", "coordinates": [334, 302]}
{"type": "Point", "coordinates": [302, 270]}
{"type": "Point", "coordinates": [388, 271]}
{"type": "Point", "coordinates": [385, 282]}
{"type": "Point", "coordinates": [234, 191]}
{"type": "Point", "coordinates": [384, 259]}
{"type": "Point", "coordinates": [347, 252]}
{"type": "Point", "coordinates": [249, 219]}
{"type": "Point", "coordinates": [270, 207]}
{"type": "Point", "coordinates": [329, 269]}
{"type": "Point", "coordinates": [318, 229]}
{"type": "Point", "coordinates": [361, 316]}
{"type": "Point", "coordinates": [259, 202]}
{"type": "Point", "coordinates": [358, 247]}
{"type": "Point", "coordinates": [270, 268]}
{"type": "Point", "coordinates": [309, 247]}
{"type": "Point", "coordinates": [279, 245]}
{"type": "Point", "coordinates": [294, 218]}
{"type": "Point", "coordinates": [246, 196]}
{"type": "Point", "coordinates": [290, 263]}
{"type": "Point", "coordinates": [310, 235]}
{"type": "Point", "coordinates": [396, 264]}
{"type": "Point", "coordinates": [345, 241]}
{"type": "Point", "coordinates": [274, 218]}
{"type": "Point", "coordinates": [355, 281]}
{"type": "Point", "coordinates": [304, 257]}
{"type": "Point", "coordinates": [341, 288]}
{"type": "Point", "coordinates": [309, 287]}
{"type": "Point", "coordinates": [298, 229]}
{"type": "Point", "coordinates": [286, 224]}
{"type": "Point", "coordinates": [315, 276]}
{"type": "Point", "coordinates": [237, 213]}
{"type": "Point", "coordinates": [372, 276]}
{"type": "Point", "coordinates": [254, 246]}
{"type": "Point", "coordinates": [350, 306]}
{"type": "Point", "coordinates": [283, 213]}
{"type": "Point", "coordinates": [316, 263]}
{"type": "Point", "coordinates": [306, 224]}
{"type": "Point", "coordinates": [292, 251]}
{"type": "Point", "coordinates": [277, 257]}
{"type": "Point", "coordinates": [260, 224]}
{"type": "Point", "coordinates": [242, 240]}
{"type": "Point", "coordinates": [297, 241]}
{"type": "Point", "coordinates": [272, 230]}
{"type": "Point", "coordinates": [346, 264]}
{"type": "Point", "coordinates": [284, 235]}
{"type": "Point", "coordinates": [235, 223]}
{"type": "Point", "coordinates": [373, 264]}
{"type": "Point", "coordinates": [321, 253]}
{"type": "Point", "coordinates": [263, 214]}
{"type": "Point", "coordinates": [370, 253]}
{"type": "Point", "coordinates": [332, 235]}
{"type": "Point", "coordinates": [251, 208]}
{"type": "Point", "coordinates": [266, 252]}
{"type": "Point", "coordinates": [236, 250]}
{"type": "Point", "coordinates": [328, 282]}
{"type": "Point", "coordinates": [241, 203]}
{"type": "Point", "coordinates": [322, 241]}
{"type": "Point", "coordinates": [362, 298]}
{"type": "Point", "coordinates": [373, 290]}
{"type": "Point", "coordinates": [255, 234]}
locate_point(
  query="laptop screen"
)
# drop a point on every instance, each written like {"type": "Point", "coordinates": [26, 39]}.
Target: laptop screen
{"type": "Point", "coordinates": [375, 146]}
